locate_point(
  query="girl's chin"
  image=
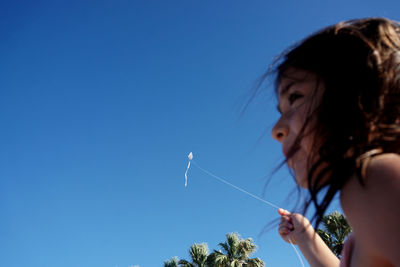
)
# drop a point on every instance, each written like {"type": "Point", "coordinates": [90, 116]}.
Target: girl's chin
{"type": "Point", "coordinates": [301, 179]}
{"type": "Point", "coordinates": [299, 167]}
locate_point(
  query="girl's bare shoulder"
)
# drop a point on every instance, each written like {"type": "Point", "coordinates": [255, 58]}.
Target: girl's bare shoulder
{"type": "Point", "coordinates": [384, 168]}
{"type": "Point", "coordinates": [381, 185]}
{"type": "Point", "coordinates": [372, 209]}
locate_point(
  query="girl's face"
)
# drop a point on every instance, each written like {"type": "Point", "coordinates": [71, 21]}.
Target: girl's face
{"type": "Point", "coordinates": [299, 94]}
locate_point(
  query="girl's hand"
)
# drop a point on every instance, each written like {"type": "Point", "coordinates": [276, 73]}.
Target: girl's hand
{"type": "Point", "coordinates": [294, 228]}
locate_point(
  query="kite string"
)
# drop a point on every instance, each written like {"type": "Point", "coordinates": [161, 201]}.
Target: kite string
{"type": "Point", "coordinates": [298, 254]}
{"type": "Point", "coordinates": [236, 187]}
{"type": "Point", "coordinates": [253, 196]}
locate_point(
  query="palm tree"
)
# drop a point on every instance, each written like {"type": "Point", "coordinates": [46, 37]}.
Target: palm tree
{"type": "Point", "coordinates": [237, 252]}
{"type": "Point", "coordinates": [336, 229]}
{"type": "Point", "coordinates": [171, 263]}
{"type": "Point", "coordinates": [199, 255]}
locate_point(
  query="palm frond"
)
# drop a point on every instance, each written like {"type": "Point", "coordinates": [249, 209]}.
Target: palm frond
{"type": "Point", "coordinates": [224, 246]}
{"type": "Point", "coordinates": [185, 263]}
{"type": "Point", "coordinates": [336, 229]}
{"type": "Point", "coordinates": [199, 253]}
{"type": "Point", "coordinates": [235, 253]}
{"type": "Point", "coordinates": [217, 259]}
{"type": "Point", "coordinates": [171, 263]}
{"type": "Point", "coordinates": [255, 262]}
{"type": "Point", "coordinates": [247, 247]}
{"type": "Point", "coordinates": [233, 243]}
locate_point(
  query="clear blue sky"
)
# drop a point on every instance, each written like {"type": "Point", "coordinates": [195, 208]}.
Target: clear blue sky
{"type": "Point", "coordinates": [100, 103]}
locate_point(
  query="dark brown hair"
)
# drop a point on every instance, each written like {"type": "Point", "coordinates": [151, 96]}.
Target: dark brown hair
{"type": "Point", "coordinates": [358, 62]}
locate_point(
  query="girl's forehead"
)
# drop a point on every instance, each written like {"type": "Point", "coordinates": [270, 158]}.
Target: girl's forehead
{"type": "Point", "coordinates": [292, 76]}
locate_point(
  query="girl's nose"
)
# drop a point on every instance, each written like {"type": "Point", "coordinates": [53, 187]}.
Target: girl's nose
{"type": "Point", "coordinates": [280, 131]}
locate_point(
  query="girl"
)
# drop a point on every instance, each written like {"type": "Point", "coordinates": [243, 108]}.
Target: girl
{"type": "Point", "coordinates": [339, 99]}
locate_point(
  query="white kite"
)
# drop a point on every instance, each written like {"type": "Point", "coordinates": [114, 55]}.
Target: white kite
{"type": "Point", "coordinates": [190, 157]}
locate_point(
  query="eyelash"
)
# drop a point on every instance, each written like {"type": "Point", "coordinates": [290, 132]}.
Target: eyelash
{"type": "Point", "coordinates": [293, 97]}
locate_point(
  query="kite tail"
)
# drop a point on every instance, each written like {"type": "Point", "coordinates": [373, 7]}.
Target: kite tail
{"type": "Point", "coordinates": [188, 166]}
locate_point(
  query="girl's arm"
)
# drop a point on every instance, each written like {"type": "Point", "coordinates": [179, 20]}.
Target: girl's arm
{"type": "Point", "coordinates": [374, 212]}
{"type": "Point", "coordinates": [295, 228]}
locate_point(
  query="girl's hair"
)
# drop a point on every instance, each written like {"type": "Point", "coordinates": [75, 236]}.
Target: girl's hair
{"type": "Point", "coordinates": [358, 62]}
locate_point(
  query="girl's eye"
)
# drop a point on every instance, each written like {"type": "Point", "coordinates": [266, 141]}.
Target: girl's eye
{"type": "Point", "coordinates": [293, 97]}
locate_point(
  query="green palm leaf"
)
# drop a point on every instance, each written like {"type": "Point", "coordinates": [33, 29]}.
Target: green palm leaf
{"type": "Point", "coordinates": [336, 229]}
{"type": "Point", "coordinates": [199, 254]}
{"type": "Point", "coordinates": [236, 252]}
{"type": "Point", "coordinates": [171, 263]}
{"type": "Point", "coordinates": [185, 263]}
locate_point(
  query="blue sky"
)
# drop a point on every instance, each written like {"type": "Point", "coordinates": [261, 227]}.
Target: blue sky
{"type": "Point", "coordinates": [100, 103]}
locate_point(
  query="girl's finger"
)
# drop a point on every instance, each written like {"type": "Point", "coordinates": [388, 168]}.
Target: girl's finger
{"type": "Point", "coordinates": [283, 212]}
{"type": "Point", "coordinates": [283, 231]}
{"type": "Point", "coordinates": [286, 217]}
{"type": "Point", "coordinates": [287, 224]}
